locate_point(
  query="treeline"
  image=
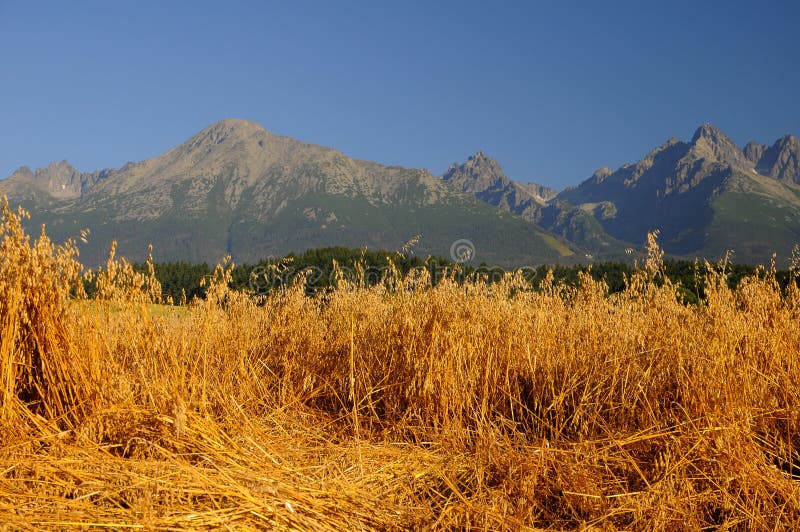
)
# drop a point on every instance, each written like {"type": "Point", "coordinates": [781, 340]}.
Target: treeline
{"type": "Point", "coordinates": [183, 281]}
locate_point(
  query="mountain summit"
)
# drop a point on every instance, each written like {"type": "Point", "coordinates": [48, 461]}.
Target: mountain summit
{"type": "Point", "coordinates": [711, 144]}
{"type": "Point", "coordinates": [59, 180]}
{"type": "Point", "coordinates": [482, 176]}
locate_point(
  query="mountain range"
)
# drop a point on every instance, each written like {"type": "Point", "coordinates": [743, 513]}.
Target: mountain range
{"type": "Point", "coordinates": [235, 188]}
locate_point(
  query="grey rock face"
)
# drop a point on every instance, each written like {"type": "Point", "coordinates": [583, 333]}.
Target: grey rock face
{"type": "Point", "coordinates": [754, 151]}
{"type": "Point", "coordinates": [781, 160]}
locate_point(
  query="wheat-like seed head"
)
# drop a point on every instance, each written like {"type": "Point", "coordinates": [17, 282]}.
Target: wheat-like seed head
{"type": "Point", "coordinates": [394, 405]}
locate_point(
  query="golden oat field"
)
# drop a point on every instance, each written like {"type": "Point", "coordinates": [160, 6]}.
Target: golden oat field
{"type": "Point", "coordinates": [485, 406]}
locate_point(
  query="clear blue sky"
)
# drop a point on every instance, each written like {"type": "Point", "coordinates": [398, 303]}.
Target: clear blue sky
{"type": "Point", "coordinates": [552, 90]}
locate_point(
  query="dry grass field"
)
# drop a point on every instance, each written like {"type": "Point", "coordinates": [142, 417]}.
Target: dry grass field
{"type": "Point", "coordinates": [398, 406]}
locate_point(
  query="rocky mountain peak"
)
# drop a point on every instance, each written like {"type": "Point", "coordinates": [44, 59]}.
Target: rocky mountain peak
{"type": "Point", "coordinates": [709, 132]}
{"type": "Point", "coordinates": [601, 173]}
{"type": "Point", "coordinates": [481, 158]}
{"type": "Point", "coordinates": [56, 169]}
{"type": "Point", "coordinates": [479, 167]}
{"type": "Point", "coordinates": [483, 177]}
{"type": "Point", "coordinates": [58, 179]}
{"type": "Point", "coordinates": [712, 144]}
{"type": "Point", "coordinates": [22, 172]}
{"type": "Point", "coordinates": [228, 132]}
{"type": "Point", "coordinates": [234, 125]}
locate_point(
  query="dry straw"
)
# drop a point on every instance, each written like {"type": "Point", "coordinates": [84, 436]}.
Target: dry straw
{"type": "Point", "coordinates": [394, 406]}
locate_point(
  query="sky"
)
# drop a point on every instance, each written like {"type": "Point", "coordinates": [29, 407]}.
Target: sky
{"type": "Point", "coordinates": [552, 90]}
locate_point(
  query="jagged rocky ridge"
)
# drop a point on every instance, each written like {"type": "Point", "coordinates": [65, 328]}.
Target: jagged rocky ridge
{"type": "Point", "coordinates": [235, 188]}
{"type": "Point", "coordinates": [706, 196]}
